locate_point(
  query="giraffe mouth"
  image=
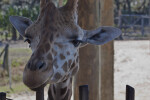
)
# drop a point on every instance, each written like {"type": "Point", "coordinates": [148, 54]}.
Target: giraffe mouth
{"type": "Point", "coordinates": [36, 79]}
{"type": "Point", "coordinates": [40, 87]}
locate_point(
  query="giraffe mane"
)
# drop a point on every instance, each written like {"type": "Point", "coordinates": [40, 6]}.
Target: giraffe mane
{"type": "Point", "coordinates": [70, 6]}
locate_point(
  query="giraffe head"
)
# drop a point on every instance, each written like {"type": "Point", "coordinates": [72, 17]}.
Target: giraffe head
{"type": "Point", "coordinates": [55, 38]}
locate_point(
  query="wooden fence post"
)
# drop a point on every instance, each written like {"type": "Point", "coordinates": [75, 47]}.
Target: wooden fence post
{"type": "Point", "coordinates": [89, 71]}
{"type": "Point", "coordinates": [142, 26]}
{"type": "Point", "coordinates": [10, 81]}
{"type": "Point", "coordinates": [84, 92]}
{"type": "Point", "coordinates": [2, 52]}
{"type": "Point", "coordinates": [130, 93]}
{"type": "Point", "coordinates": [40, 94]}
{"type": "Point", "coordinates": [5, 62]}
{"type": "Point", "coordinates": [5, 58]}
{"type": "Point", "coordinates": [2, 96]}
{"type": "Point", "coordinates": [107, 53]}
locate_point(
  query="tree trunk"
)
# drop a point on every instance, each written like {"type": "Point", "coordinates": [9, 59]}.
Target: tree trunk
{"type": "Point", "coordinates": [129, 6]}
{"type": "Point", "coordinates": [117, 3]}
{"type": "Point", "coordinates": [89, 72]}
{"type": "Point", "coordinates": [107, 53]}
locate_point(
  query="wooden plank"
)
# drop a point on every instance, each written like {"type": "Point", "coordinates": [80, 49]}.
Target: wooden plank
{"type": "Point", "coordinates": [40, 94]}
{"type": "Point", "coordinates": [5, 60]}
{"type": "Point", "coordinates": [107, 53]}
{"type": "Point", "coordinates": [10, 77]}
{"type": "Point", "coordinates": [130, 93]}
{"type": "Point", "coordinates": [142, 26]}
{"type": "Point", "coordinates": [2, 96]}
{"type": "Point", "coordinates": [89, 71]}
{"type": "Point", "coordinates": [84, 92]}
{"type": "Point", "coordinates": [2, 52]}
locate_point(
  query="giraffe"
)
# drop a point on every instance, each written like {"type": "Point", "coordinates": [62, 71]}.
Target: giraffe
{"type": "Point", "coordinates": [55, 38]}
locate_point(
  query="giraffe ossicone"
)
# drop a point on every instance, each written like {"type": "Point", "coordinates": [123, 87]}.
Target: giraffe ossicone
{"type": "Point", "coordinates": [55, 38]}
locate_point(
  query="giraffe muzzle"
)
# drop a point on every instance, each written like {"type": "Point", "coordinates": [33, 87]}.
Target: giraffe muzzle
{"type": "Point", "coordinates": [36, 74]}
{"type": "Point", "coordinates": [40, 65]}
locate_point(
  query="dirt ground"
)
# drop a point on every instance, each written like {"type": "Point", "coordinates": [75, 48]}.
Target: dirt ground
{"type": "Point", "coordinates": [27, 95]}
{"type": "Point", "coordinates": [132, 67]}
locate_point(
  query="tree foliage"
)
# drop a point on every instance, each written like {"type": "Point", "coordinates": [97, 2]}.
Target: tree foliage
{"type": "Point", "coordinates": [18, 8]}
{"type": "Point", "coordinates": [30, 9]}
{"type": "Point", "coordinates": [132, 7]}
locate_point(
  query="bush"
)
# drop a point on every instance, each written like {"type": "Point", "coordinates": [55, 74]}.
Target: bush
{"type": "Point", "coordinates": [17, 11]}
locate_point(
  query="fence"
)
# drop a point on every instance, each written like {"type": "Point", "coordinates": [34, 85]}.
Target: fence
{"type": "Point", "coordinates": [3, 96]}
{"type": "Point", "coordinates": [83, 93]}
{"type": "Point", "coordinates": [6, 35]}
{"type": "Point", "coordinates": [5, 59]}
{"type": "Point", "coordinates": [6, 62]}
{"type": "Point", "coordinates": [133, 22]}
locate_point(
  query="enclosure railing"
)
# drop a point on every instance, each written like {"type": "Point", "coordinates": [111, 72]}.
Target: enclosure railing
{"type": "Point", "coordinates": [6, 64]}
{"type": "Point", "coordinates": [133, 22]}
{"type": "Point", "coordinates": [130, 93]}
{"type": "Point", "coordinates": [83, 93]}
{"type": "Point", "coordinates": [5, 59]}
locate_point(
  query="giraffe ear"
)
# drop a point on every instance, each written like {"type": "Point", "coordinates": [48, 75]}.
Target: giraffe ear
{"type": "Point", "coordinates": [101, 35]}
{"type": "Point", "coordinates": [20, 23]}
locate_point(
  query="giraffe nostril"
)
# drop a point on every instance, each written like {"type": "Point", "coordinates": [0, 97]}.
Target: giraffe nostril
{"type": "Point", "coordinates": [40, 65]}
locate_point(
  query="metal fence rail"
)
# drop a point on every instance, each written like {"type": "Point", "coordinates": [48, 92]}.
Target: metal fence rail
{"type": "Point", "coordinates": [133, 22]}
{"type": "Point", "coordinates": [3, 96]}
{"type": "Point", "coordinates": [83, 93]}
{"type": "Point", "coordinates": [130, 93]}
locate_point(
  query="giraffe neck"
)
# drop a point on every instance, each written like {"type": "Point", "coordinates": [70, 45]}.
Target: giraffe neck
{"type": "Point", "coordinates": [60, 91]}
{"type": "Point", "coordinates": [72, 3]}
{"type": "Point", "coordinates": [71, 6]}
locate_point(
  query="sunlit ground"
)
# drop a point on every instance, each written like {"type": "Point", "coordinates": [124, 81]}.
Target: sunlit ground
{"type": "Point", "coordinates": [132, 67]}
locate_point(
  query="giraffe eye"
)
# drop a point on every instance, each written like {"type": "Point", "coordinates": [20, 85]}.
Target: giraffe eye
{"type": "Point", "coordinates": [27, 40]}
{"type": "Point", "coordinates": [76, 43]}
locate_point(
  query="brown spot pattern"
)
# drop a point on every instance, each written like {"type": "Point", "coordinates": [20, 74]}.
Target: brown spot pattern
{"type": "Point", "coordinates": [54, 89]}
{"type": "Point", "coordinates": [75, 54]}
{"type": "Point", "coordinates": [54, 52]}
{"type": "Point", "coordinates": [62, 57]}
{"type": "Point", "coordinates": [55, 63]}
{"type": "Point", "coordinates": [73, 65]}
{"type": "Point", "coordinates": [49, 56]}
{"type": "Point", "coordinates": [63, 90]}
{"type": "Point", "coordinates": [70, 62]}
{"type": "Point", "coordinates": [68, 53]}
{"type": "Point", "coordinates": [51, 37]}
{"type": "Point", "coordinates": [48, 17]}
{"type": "Point", "coordinates": [65, 67]}
{"type": "Point", "coordinates": [57, 76]}
{"type": "Point", "coordinates": [47, 47]}
{"type": "Point", "coordinates": [59, 45]}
